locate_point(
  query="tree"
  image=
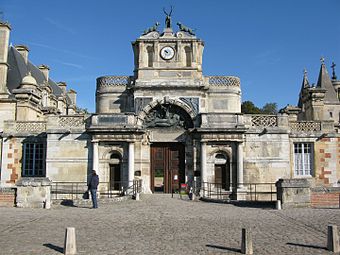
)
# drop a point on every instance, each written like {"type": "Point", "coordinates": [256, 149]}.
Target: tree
{"type": "Point", "coordinates": [269, 108]}
{"type": "Point", "coordinates": [249, 107]}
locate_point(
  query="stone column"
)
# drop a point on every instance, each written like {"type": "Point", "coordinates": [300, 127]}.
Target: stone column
{"type": "Point", "coordinates": [203, 161]}
{"type": "Point", "coordinates": [95, 156]}
{"type": "Point", "coordinates": [240, 165]}
{"type": "Point", "coordinates": [131, 162]}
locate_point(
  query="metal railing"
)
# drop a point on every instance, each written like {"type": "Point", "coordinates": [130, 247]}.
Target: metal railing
{"type": "Point", "coordinates": [250, 191]}
{"type": "Point", "coordinates": [75, 190]}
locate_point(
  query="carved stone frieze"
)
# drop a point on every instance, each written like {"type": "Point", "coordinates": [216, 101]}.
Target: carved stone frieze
{"type": "Point", "coordinates": [141, 102]}
{"type": "Point", "coordinates": [193, 102]}
{"type": "Point", "coordinates": [167, 115]}
{"type": "Point", "coordinates": [222, 137]}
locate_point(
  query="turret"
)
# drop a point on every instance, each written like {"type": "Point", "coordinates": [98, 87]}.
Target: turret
{"type": "Point", "coordinates": [4, 40]}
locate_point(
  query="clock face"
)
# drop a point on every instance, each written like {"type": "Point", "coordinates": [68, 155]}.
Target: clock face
{"type": "Point", "coordinates": [167, 52]}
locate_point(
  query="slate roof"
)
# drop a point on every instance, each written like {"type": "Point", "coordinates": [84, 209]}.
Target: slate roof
{"type": "Point", "coordinates": [325, 82]}
{"type": "Point", "coordinates": [18, 69]}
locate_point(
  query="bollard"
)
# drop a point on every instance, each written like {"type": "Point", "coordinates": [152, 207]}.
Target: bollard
{"type": "Point", "coordinates": [247, 242]}
{"type": "Point", "coordinates": [137, 196]}
{"type": "Point", "coordinates": [70, 247]}
{"type": "Point", "coordinates": [278, 204]}
{"type": "Point", "coordinates": [333, 239]}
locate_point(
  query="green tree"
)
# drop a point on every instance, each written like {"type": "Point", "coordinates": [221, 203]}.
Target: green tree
{"type": "Point", "coordinates": [269, 108]}
{"type": "Point", "coordinates": [249, 107]}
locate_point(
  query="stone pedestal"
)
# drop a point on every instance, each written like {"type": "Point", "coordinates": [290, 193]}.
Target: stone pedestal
{"type": "Point", "coordinates": [294, 192]}
{"type": "Point", "coordinates": [34, 192]}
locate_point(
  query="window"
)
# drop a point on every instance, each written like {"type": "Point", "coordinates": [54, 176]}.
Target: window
{"type": "Point", "coordinates": [150, 56]}
{"type": "Point", "coordinates": [188, 53]}
{"type": "Point", "coordinates": [34, 159]}
{"type": "Point", "coordinates": [303, 162]}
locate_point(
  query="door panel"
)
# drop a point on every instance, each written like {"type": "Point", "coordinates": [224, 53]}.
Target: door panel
{"type": "Point", "coordinates": [167, 166]}
{"type": "Point", "coordinates": [115, 181]}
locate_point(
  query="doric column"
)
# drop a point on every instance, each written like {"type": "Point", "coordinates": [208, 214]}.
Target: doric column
{"type": "Point", "coordinates": [240, 165]}
{"type": "Point", "coordinates": [203, 161]}
{"type": "Point", "coordinates": [95, 156]}
{"type": "Point", "coordinates": [131, 162]}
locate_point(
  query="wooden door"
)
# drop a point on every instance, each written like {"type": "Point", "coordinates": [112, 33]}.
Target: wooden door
{"type": "Point", "coordinates": [167, 166]}
{"type": "Point", "coordinates": [115, 180]}
{"type": "Point", "coordinates": [222, 176]}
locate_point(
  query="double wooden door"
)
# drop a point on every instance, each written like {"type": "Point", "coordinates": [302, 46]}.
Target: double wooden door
{"type": "Point", "coordinates": [167, 166]}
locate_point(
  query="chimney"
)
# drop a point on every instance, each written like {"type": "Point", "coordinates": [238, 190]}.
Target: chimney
{"type": "Point", "coordinates": [72, 94]}
{"type": "Point", "coordinates": [45, 70]}
{"type": "Point", "coordinates": [5, 29]}
{"type": "Point", "coordinates": [62, 85]}
{"type": "Point", "coordinates": [23, 50]}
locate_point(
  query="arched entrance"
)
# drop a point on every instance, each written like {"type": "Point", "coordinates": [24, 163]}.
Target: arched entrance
{"type": "Point", "coordinates": [222, 171]}
{"type": "Point", "coordinates": [168, 124]}
{"type": "Point", "coordinates": [115, 172]}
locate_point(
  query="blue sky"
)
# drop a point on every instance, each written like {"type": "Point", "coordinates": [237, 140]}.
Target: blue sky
{"type": "Point", "coordinates": [266, 43]}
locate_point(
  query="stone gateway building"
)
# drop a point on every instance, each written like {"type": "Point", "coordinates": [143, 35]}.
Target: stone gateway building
{"type": "Point", "coordinates": [165, 124]}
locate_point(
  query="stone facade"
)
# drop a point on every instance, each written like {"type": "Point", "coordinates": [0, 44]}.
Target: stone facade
{"type": "Point", "coordinates": [167, 124]}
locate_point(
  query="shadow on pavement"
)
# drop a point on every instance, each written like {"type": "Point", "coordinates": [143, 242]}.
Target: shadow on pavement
{"type": "Point", "coordinates": [254, 204]}
{"type": "Point", "coordinates": [223, 248]}
{"type": "Point", "coordinates": [308, 246]}
{"type": "Point", "coordinates": [54, 247]}
{"type": "Point", "coordinates": [68, 202]}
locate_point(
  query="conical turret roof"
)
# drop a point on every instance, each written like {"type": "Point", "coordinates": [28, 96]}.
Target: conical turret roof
{"type": "Point", "coordinates": [325, 82]}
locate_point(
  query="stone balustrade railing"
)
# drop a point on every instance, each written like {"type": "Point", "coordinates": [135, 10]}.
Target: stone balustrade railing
{"type": "Point", "coordinates": [110, 81]}
{"type": "Point", "coordinates": [223, 81]}
{"type": "Point", "coordinates": [69, 121]}
{"type": "Point", "coordinates": [264, 120]}
{"type": "Point", "coordinates": [305, 126]}
{"type": "Point", "coordinates": [29, 126]}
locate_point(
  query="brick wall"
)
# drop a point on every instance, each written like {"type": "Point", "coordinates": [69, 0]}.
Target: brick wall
{"type": "Point", "coordinates": [325, 199]}
{"type": "Point", "coordinates": [7, 197]}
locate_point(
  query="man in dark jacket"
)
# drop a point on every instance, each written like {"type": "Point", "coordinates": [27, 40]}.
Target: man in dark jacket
{"type": "Point", "coordinates": [92, 187]}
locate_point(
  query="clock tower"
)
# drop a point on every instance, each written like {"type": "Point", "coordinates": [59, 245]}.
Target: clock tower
{"type": "Point", "coordinates": [170, 56]}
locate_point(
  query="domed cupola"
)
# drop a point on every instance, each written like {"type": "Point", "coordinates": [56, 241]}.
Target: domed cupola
{"type": "Point", "coordinates": [28, 82]}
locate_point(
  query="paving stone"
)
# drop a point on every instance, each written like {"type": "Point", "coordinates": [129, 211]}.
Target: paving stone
{"type": "Point", "coordinates": [159, 224]}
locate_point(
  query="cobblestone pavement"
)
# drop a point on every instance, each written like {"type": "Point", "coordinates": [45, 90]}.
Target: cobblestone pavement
{"type": "Point", "coordinates": [159, 224]}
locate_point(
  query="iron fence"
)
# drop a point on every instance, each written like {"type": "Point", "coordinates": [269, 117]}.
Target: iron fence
{"type": "Point", "coordinates": [249, 191]}
{"type": "Point", "coordinates": [75, 190]}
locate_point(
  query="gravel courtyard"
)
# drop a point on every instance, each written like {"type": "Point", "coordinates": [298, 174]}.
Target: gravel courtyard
{"type": "Point", "coordinates": [159, 224]}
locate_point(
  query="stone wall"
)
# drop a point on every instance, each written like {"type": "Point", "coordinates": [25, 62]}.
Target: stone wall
{"type": "Point", "coordinates": [34, 193]}
{"type": "Point", "coordinates": [68, 156]}
{"type": "Point", "coordinates": [325, 197]}
{"type": "Point", "coordinates": [266, 157]}
{"type": "Point", "coordinates": [11, 162]}
{"type": "Point", "coordinates": [294, 192]}
{"type": "Point", "coordinates": [327, 161]}
{"type": "Point", "coordinates": [7, 197]}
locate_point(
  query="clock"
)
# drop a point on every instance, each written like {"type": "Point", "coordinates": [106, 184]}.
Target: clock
{"type": "Point", "coordinates": [167, 53]}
